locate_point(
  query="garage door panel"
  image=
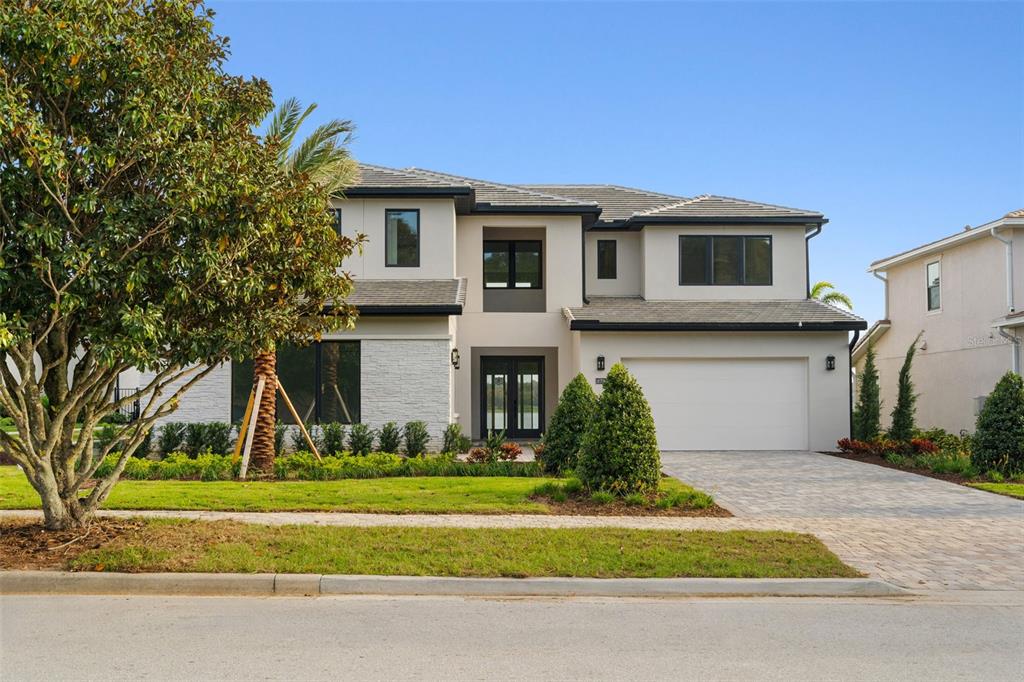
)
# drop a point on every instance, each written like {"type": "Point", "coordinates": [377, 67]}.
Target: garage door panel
{"type": "Point", "coordinates": [726, 403]}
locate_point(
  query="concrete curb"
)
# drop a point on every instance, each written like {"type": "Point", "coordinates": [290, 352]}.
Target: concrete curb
{"type": "Point", "coordinates": [269, 584]}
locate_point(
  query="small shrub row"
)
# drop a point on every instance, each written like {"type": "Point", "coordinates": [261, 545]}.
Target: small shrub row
{"type": "Point", "coordinates": [573, 488]}
{"type": "Point", "coordinates": [176, 466]}
{"type": "Point", "coordinates": [885, 446]}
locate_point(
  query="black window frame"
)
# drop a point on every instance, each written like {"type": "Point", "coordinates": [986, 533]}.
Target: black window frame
{"type": "Point", "coordinates": [336, 216]}
{"type": "Point", "coordinates": [615, 258]}
{"type": "Point", "coordinates": [419, 237]}
{"type": "Point", "coordinates": [709, 260]}
{"type": "Point", "coordinates": [510, 283]}
{"type": "Point", "coordinates": [318, 368]}
{"type": "Point", "coordinates": [929, 286]}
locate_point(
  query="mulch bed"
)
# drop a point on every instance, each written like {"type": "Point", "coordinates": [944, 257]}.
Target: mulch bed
{"type": "Point", "coordinates": [27, 545]}
{"type": "Point", "coordinates": [586, 507]}
{"type": "Point", "coordinates": [883, 462]}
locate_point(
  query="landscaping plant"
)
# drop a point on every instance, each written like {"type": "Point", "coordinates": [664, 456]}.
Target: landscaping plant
{"type": "Point", "coordinates": [998, 443]}
{"type": "Point", "coordinates": [145, 223]}
{"type": "Point", "coordinates": [416, 438]}
{"type": "Point", "coordinates": [867, 416]}
{"type": "Point", "coordinates": [454, 440]}
{"type": "Point", "coordinates": [390, 438]}
{"type": "Point", "coordinates": [201, 437]}
{"type": "Point", "coordinates": [299, 443]}
{"type": "Point", "coordinates": [332, 435]}
{"type": "Point", "coordinates": [902, 425]}
{"type": "Point", "coordinates": [619, 452]}
{"type": "Point", "coordinates": [360, 439]}
{"type": "Point", "coordinates": [172, 438]}
{"type": "Point", "coordinates": [567, 426]}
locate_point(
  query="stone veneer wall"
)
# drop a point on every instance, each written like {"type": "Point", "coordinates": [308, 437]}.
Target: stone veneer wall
{"type": "Point", "coordinates": [209, 400]}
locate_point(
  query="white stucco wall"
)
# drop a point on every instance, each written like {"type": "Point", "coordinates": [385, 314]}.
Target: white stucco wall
{"type": "Point", "coordinates": [963, 356]}
{"type": "Point", "coordinates": [628, 269]}
{"type": "Point", "coordinates": [828, 391]}
{"type": "Point", "coordinates": [661, 264]}
{"type": "Point", "coordinates": [437, 237]}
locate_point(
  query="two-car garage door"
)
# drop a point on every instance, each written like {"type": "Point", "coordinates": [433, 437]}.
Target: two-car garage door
{"type": "Point", "coordinates": [726, 403]}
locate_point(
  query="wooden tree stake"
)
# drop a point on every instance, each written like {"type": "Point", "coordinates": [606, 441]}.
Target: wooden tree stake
{"type": "Point", "coordinates": [252, 428]}
{"type": "Point", "coordinates": [244, 426]}
{"type": "Point", "coordinates": [298, 420]}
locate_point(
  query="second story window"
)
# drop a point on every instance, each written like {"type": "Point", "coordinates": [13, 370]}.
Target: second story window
{"type": "Point", "coordinates": [512, 264]}
{"type": "Point", "coordinates": [725, 260]}
{"type": "Point", "coordinates": [934, 275]}
{"type": "Point", "coordinates": [607, 261]}
{"type": "Point", "coordinates": [402, 238]}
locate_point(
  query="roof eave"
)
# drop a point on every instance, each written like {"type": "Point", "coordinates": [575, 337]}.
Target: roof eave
{"type": "Point", "coordinates": [726, 220]}
{"type": "Point", "coordinates": [406, 310]}
{"type": "Point", "coordinates": [953, 240]}
{"type": "Point", "coordinates": [597, 325]}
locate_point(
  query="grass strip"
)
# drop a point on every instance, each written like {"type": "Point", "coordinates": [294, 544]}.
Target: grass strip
{"type": "Point", "coordinates": [224, 546]}
{"type": "Point", "coordinates": [1011, 489]}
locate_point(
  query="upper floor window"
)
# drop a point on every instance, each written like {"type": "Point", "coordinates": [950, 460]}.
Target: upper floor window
{"type": "Point", "coordinates": [336, 217]}
{"type": "Point", "coordinates": [512, 264]}
{"type": "Point", "coordinates": [607, 260]}
{"type": "Point", "coordinates": [934, 274]}
{"type": "Point", "coordinates": [402, 237]}
{"type": "Point", "coordinates": [728, 260]}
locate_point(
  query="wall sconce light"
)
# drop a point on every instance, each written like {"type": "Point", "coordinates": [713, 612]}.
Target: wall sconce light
{"type": "Point", "coordinates": [600, 363]}
{"type": "Point", "coordinates": [830, 363]}
{"type": "Point", "coordinates": [455, 358]}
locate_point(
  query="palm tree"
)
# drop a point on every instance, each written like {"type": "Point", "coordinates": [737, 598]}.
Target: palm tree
{"type": "Point", "coordinates": [826, 293]}
{"type": "Point", "coordinates": [324, 157]}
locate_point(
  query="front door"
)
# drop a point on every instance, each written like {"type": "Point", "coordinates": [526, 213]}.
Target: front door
{"type": "Point", "coordinates": [512, 396]}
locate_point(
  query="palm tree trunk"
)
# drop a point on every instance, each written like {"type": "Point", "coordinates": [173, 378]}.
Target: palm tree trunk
{"type": "Point", "coordinates": [262, 455]}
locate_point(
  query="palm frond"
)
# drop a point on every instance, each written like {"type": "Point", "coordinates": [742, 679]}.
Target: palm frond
{"type": "Point", "coordinates": [324, 154]}
{"type": "Point", "coordinates": [837, 298]}
{"type": "Point", "coordinates": [285, 124]}
{"type": "Point", "coordinates": [819, 289]}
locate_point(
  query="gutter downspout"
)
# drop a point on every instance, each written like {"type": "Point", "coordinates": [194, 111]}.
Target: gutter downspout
{"type": "Point", "coordinates": [1009, 265]}
{"type": "Point", "coordinates": [856, 336]}
{"type": "Point", "coordinates": [808, 236]}
{"type": "Point", "coordinates": [583, 262]}
{"type": "Point", "coordinates": [1014, 347]}
{"type": "Point", "coordinates": [885, 281]}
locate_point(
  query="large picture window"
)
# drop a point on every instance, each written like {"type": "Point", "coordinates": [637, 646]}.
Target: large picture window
{"type": "Point", "coordinates": [934, 275]}
{"type": "Point", "coordinates": [512, 264]}
{"type": "Point", "coordinates": [725, 260]}
{"type": "Point", "coordinates": [322, 380]}
{"type": "Point", "coordinates": [402, 237]}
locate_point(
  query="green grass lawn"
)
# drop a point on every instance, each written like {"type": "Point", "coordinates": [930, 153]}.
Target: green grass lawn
{"type": "Point", "coordinates": [1011, 489]}
{"type": "Point", "coordinates": [198, 546]}
{"type": "Point", "coordinates": [427, 494]}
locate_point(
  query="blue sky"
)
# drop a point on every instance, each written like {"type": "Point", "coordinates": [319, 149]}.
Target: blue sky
{"type": "Point", "coordinates": [902, 122]}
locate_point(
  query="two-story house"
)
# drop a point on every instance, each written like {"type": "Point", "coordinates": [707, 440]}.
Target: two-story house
{"type": "Point", "coordinates": [960, 293]}
{"type": "Point", "coordinates": [479, 301]}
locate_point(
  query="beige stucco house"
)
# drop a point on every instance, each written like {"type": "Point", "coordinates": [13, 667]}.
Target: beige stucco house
{"type": "Point", "coordinates": [961, 293]}
{"type": "Point", "coordinates": [479, 301]}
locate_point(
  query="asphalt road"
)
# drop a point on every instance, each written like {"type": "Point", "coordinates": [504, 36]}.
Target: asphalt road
{"type": "Point", "coordinates": [963, 636]}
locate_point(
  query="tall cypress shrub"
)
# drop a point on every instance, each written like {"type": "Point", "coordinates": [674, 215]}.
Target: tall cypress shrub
{"type": "Point", "coordinates": [620, 453]}
{"type": "Point", "coordinates": [567, 426]}
{"type": "Point", "coordinates": [902, 427]}
{"type": "Point", "coordinates": [867, 416]}
{"type": "Point", "coordinates": [998, 442]}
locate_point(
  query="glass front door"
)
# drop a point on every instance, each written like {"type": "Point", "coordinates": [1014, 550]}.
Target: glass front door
{"type": "Point", "coordinates": [512, 396]}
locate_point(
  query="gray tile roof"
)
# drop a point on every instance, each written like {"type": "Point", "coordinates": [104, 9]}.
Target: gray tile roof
{"type": "Point", "coordinates": [617, 203]}
{"type": "Point", "coordinates": [710, 206]}
{"type": "Point", "coordinates": [1019, 213]}
{"type": "Point", "coordinates": [377, 177]}
{"type": "Point", "coordinates": [380, 295]}
{"type": "Point", "coordinates": [629, 312]}
{"type": "Point", "coordinates": [493, 194]}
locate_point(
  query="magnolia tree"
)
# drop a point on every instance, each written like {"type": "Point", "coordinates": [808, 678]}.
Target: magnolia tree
{"type": "Point", "coordinates": [142, 224]}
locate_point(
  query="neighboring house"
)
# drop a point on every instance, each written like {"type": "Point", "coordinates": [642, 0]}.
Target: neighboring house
{"type": "Point", "coordinates": [479, 301]}
{"type": "Point", "coordinates": [960, 293]}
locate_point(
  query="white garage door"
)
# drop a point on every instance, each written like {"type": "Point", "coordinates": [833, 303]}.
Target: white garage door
{"type": "Point", "coordinates": [727, 403]}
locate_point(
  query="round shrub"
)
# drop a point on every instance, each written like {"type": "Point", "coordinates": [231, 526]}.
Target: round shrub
{"type": "Point", "coordinates": [567, 426]}
{"type": "Point", "coordinates": [999, 436]}
{"type": "Point", "coordinates": [390, 439]}
{"type": "Point", "coordinates": [619, 452]}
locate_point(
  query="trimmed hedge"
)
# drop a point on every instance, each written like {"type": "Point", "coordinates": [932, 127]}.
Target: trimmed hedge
{"type": "Point", "coordinates": [619, 453]}
{"type": "Point", "coordinates": [568, 424]}
{"type": "Point", "coordinates": [303, 466]}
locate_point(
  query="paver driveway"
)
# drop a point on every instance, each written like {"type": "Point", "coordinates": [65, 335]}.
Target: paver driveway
{"type": "Point", "coordinates": [912, 530]}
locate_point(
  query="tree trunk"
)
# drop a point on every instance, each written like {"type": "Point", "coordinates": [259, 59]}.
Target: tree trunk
{"type": "Point", "coordinates": [60, 512]}
{"type": "Point", "coordinates": [262, 456]}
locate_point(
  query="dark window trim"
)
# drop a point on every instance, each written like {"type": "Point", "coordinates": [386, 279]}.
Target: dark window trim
{"type": "Point", "coordinates": [512, 401]}
{"type": "Point", "coordinates": [929, 286]}
{"type": "Point", "coordinates": [419, 239]}
{"type": "Point", "coordinates": [510, 283]}
{"type": "Point", "coordinates": [709, 260]}
{"type": "Point", "coordinates": [615, 259]}
{"type": "Point", "coordinates": [336, 215]}
{"type": "Point", "coordinates": [318, 378]}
